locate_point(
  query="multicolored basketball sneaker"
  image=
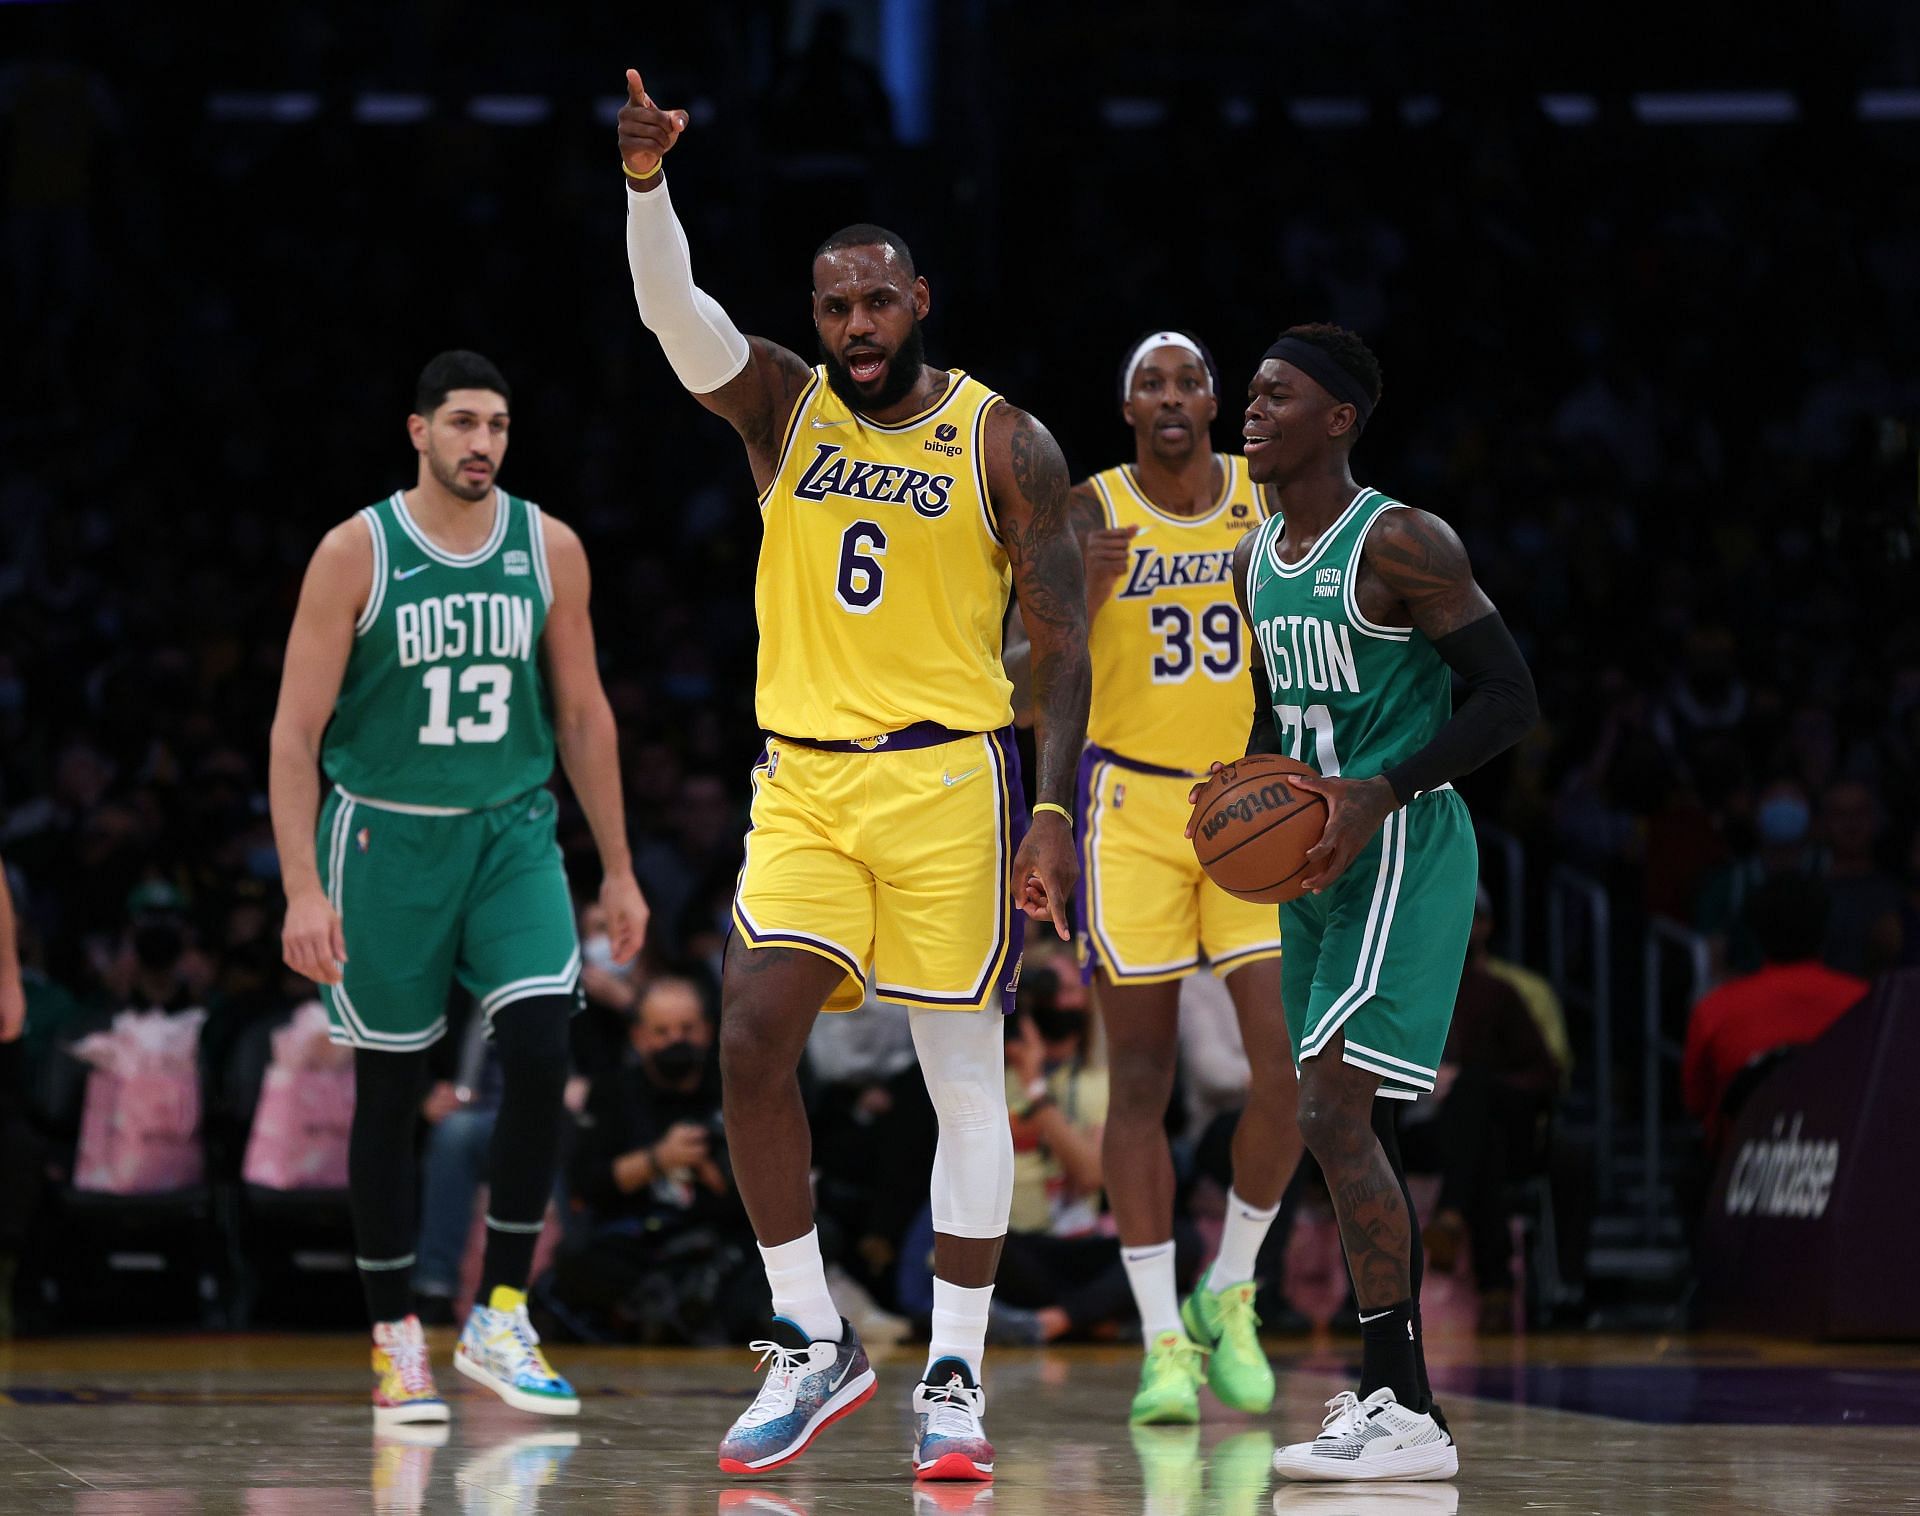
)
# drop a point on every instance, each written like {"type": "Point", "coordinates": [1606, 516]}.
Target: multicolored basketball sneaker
{"type": "Point", "coordinates": [948, 1441]}
{"type": "Point", "coordinates": [1223, 1323]}
{"type": "Point", "coordinates": [1169, 1392]}
{"type": "Point", "coordinates": [403, 1389]}
{"type": "Point", "coordinates": [500, 1349]}
{"type": "Point", "coordinates": [809, 1386]}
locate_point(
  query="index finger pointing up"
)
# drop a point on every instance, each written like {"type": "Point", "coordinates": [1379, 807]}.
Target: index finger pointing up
{"type": "Point", "coordinates": [636, 91]}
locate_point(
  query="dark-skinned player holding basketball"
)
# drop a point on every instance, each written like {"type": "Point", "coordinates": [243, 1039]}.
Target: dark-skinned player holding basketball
{"type": "Point", "coordinates": [1365, 611]}
{"type": "Point", "coordinates": [899, 502]}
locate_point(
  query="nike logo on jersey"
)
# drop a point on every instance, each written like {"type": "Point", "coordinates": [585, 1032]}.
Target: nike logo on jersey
{"type": "Point", "coordinates": [1364, 1317]}
{"type": "Point", "coordinates": [820, 426]}
{"type": "Point", "coordinates": [950, 780]}
{"type": "Point", "coordinates": [418, 568]}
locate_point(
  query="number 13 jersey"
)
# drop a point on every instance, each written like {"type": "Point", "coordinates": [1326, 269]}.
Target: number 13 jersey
{"type": "Point", "coordinates": [443, 706]}
{"type": "Point", "coordinates": [882, 583]}
{"type": "Point", "coordinates": [1170, 684]}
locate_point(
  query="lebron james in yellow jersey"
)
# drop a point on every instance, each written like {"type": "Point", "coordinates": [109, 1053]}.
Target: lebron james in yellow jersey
{"type": "Point", "coordinates": [1170, 688]}
{"type": "Point", "coordinates": [889, 840]}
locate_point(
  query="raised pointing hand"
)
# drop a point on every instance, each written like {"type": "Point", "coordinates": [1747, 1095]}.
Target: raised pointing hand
{"type": "Point", "coordinates": [647, 133]}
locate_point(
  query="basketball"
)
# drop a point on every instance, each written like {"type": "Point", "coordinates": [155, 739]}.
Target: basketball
{"type": "Point", "coordinates": [1252, 829]}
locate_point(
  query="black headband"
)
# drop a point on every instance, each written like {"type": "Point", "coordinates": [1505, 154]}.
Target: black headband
{"type": "Point", "coordinates": [1319, 364]}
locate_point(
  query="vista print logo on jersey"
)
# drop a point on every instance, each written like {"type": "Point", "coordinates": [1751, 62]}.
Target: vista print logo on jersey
{"type": "Point", "coordinates": [834, 472]}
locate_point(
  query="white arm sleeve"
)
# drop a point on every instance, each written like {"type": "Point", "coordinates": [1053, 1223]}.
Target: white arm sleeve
{"type": "Point", "coordinates": [703, 345]}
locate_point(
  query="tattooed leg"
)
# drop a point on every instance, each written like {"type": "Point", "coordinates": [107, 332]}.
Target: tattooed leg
{"type": "Point", "coordinates": [1336, 1119]}
{"type": "Point", "coordinates": [769, 999]}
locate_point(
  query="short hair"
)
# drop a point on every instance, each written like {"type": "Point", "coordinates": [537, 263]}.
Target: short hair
{"type": "Point", "coordinates": [1788, 917]}
{"type": "Point", "coordinates": [1344, 348]}
{"type": "Point", "coordinates": [456, 370]}
{"type": "Point", "coordinates": [866, 234]}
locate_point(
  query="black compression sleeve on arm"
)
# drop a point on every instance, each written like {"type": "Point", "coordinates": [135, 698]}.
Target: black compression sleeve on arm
{"type": "Point", "coordinates": [1265, 734]}
{"type": "Point", "coordinates": [1500, 708]}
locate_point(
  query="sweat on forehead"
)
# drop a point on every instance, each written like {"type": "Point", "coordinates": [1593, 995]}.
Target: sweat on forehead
{"type": "Point", "coordinates": [864, 234]}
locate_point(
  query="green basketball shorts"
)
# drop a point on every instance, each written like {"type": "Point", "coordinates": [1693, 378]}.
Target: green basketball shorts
{"type": "Point", "coordinates": [480, 895]}
{"type": "Point", "coordinates": [1378, 955]}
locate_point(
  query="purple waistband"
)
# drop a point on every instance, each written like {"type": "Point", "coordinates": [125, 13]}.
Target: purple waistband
{"type": "Point", "coordinates": [920, 734]}
{"type": "Point", "coordinates": [1118, 760]}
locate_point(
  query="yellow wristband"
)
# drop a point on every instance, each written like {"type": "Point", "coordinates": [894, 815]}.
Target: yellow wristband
{"type": "Point", "coordinates": [650, 173]}
{"type": "Point", "coordinates": [1059, 810]}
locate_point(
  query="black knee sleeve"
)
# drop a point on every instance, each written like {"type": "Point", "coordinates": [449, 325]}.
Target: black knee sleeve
{"type": "Point", "coordinates": [531, 1038]}
{"type": "Point", "coordinates": [382, 1177]}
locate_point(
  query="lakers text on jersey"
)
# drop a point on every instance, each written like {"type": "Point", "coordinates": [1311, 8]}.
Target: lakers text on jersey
{"type": "Point", "coordinates": [437, 845]}
{"type": "Point", "coordinates": [1376, 957]}
{"type": "Point", "coordinates": [888, 806]}
{"type": "Point", "coordinates": [1170, 695]}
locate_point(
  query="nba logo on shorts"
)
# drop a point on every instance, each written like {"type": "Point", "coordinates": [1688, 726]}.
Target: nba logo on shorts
{"type": "Point", "coordinates": [363, 838]}
{"type": "Point", "coordinates": [773, 764]}
{"type": "Point", "coordinates": [1119, 796]}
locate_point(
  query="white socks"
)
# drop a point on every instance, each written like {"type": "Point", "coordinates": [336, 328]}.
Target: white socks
{"type": "Point", "coordinates": [959, 1325]}
{"type": "Point", "coordinates": [1150, 1272]}
{"type": "Point", "coordinates": [1240, 1243]}
{"type": "Point", "coordinates": [799, 1281]}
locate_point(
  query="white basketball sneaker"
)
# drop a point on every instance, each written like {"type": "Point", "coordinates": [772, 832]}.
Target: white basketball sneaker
{"type": "Point", "coordinates": [1375, 1438]}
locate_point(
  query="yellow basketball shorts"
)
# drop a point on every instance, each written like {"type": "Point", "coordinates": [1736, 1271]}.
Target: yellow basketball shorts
{"type": "Point", "coordinates": [1147, 912]}
{"type": "Point", "coordinates": [892, 859]}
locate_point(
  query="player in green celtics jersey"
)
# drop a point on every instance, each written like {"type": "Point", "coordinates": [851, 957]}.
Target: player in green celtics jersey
{"type": "Point", "coordinates": [1365, 611]}
{"type": "Point", "coordinates": [441, 653]}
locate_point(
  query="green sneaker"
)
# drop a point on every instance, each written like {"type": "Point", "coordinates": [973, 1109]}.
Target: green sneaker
{"type": "Point", "coordinates": [1223, 1323]}
{"type": "Point", "coordinates": [1169, 1383]}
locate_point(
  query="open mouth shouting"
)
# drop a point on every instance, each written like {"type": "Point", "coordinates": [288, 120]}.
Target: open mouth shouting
{"type": "Point", "coordinates": [866, 364]}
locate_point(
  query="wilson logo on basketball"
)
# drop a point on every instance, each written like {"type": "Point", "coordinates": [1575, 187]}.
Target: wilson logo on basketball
{"type": "Point", "coordinates": [1269, 797]}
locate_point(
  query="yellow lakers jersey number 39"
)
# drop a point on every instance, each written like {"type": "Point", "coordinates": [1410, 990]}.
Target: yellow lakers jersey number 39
{"type": "Point", "coordinates": [882, 583]}
{"type": "Point", "coordinates": [1170, 684]}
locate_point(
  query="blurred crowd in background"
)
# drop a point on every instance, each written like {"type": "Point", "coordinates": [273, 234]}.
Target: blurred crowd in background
{"type": "Point", "coordinates": [1656, 375]}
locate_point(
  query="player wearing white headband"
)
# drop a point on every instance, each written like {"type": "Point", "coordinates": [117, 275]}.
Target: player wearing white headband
{"type": "Point", "coordinates": [1170, 689]}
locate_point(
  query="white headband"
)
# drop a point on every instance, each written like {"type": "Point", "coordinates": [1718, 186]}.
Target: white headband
{"type": "Point", "coordinates": [1147, 345]}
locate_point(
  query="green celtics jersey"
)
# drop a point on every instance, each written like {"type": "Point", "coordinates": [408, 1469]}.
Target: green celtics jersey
{"type": "Point", "coordinates": [1351, 698]}
{"type": "Point", "coordinates": [442, 706]}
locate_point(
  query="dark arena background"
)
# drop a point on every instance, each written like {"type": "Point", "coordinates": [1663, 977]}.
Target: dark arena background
{"type": "Point", "coordinates": [1644, 283]}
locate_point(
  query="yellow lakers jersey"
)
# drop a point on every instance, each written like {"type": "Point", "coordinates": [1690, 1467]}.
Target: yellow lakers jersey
{"type": "Point", "coordinates": [882, 583]}
{"type": "Point", "coordinates": [1169, 649]}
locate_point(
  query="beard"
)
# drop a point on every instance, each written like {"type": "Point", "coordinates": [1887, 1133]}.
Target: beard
{"type": "Point", "coordinates": [903, 372]}
{"type": "Point", "coordinates": [449, 476]}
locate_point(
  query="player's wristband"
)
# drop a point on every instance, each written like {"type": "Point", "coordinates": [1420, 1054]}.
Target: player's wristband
{"type": "Point", "coordinates": [1059, 810]}
{"type": "Point", "coordinates": [649, 174]}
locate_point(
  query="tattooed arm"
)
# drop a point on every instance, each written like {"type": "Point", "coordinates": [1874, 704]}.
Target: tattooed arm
{"type": "Point", "coordinates": [1027, 479]}
{"type": "Point", "coordinates": [1416, 564]}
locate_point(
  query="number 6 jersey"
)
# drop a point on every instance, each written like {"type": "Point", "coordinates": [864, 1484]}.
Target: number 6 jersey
{"type": "Point", "coordinates": [1170, 684]}
{"type": "Point", "coordinates": [882, 583]}
{"type": "Point", "coordinates": [443, 707]}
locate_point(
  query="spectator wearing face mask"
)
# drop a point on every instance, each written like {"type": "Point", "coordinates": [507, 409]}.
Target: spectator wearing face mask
{"type": "Point", "coordinates": [668, 1255]}
{"type": "Point", "coordinates": [611, 991]}
{"type": "Point", "coordinates": [1782, 829]}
